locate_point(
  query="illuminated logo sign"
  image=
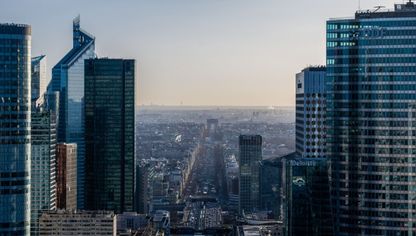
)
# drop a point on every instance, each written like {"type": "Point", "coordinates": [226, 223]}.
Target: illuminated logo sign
{"type": "Point", "coordinates": [298, 181]}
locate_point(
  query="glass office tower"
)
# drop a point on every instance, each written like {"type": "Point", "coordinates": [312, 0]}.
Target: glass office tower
{"type": "Point", "coordinates": [109, 134]}
{"type": "Point", "coordinates": [43, 164]}
{"type": "Point", "coordinates": [68, 80]}
{"type": "Point", "coordinates": [310, 112]}
{"type": "Point", "coordinates": [307, 201]}
{"type": "Point", "coordinates": [250, 150]}
{"type": "Point", "coordinates": [15, 64]}
{"type": "Point", "coordinates": [371, 111]}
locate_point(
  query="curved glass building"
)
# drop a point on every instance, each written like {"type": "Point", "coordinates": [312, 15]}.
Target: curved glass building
{"type": "Point", "coordinates": [15, 62]}
{"type": "Point", "coordinates": [371, 116]}
{"type": "Point", "coordinates": [68, 80]}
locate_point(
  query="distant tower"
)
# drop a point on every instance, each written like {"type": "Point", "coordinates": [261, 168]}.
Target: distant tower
{"type": "Point", "coordinates": [310, 112]}
{"type": "Point", "coordinates": [250, 147]}
{"type": "Point", "coordinates": [68, 80]}
{"type": "Point", "coordinates": [109, 134]}
{"type": "Point", "coordinates": [15, 147]}
{"type": "Point", "coordinates": [39, 77]}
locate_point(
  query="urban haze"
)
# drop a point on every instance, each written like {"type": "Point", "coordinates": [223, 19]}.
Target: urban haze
{"type": "Point", "coordinates": [209, 117]}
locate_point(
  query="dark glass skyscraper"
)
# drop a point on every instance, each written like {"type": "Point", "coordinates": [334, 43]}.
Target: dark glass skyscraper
{"type": "Point", "coordinates": [308, 209]}
{"type": "Point", "coordinates": [371, 110]}
{"type": "Point", "coordinates": [15, 74]}
{"type": "Point", "coordinates": [68, 80]}
{"type": "Point", "coordinates": [250, 160]}
{"type": "Point", "coordinates": [271, 186]}
{"type": "Point", "coordinates": [109, 134]}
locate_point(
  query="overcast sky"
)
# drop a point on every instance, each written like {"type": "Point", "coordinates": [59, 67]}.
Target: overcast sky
{"type": "Point", "coordinates": [194, 52]}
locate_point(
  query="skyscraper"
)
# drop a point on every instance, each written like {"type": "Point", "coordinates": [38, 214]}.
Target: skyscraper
{"type": "Point", "coordinates": [371, 98]}
{"type": "Point", "coordinates": [109, 134]}
{"type": "Point", "coordinates": [68, 80]}
{"type": "Point", "coordinates": [306, 198]}
{"type": "Point", "coordinates": [39, 77]}
{"type": "Point", "coordinates": [15, 48]}
{"type": "Point", "coordinates": [43, 164]}
{"type": "Point", "coordinates": [310, 112]}
{"type": "Point", "coordinates": [250, 149]}
{"type": "Point", "coordinates": [66, 176]}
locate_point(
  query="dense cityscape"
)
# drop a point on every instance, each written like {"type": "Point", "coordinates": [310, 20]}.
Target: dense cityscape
{"type": "Point", "coordinates": [79, 156]}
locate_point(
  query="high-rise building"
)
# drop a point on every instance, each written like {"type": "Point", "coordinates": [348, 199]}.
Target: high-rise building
{"type": "Point", "coordinates": [15, 77]}
{"type": "Point", "coordinates": [39, 77]}
{"type": "Point", "coordinates": [310, 112]}
{"type": "Point", "coordinates": [109, 134]}
{"type": "Point", "coordinates": [66, 176]}
{"type": "Point", "coordinates": [43, 164]}
{"type": "Point", "coordinates": [305, 195]}
{"type": "Point", "coordinates": [68, 80]}
{"type": "Point", "coordinates": [371, 107]}
{"type": "Point", "coordinates": [250, 157]}
{"type": "Point", "coordinates": [71, 222]}
{"type": "Point", "coordinates": [307, 208]}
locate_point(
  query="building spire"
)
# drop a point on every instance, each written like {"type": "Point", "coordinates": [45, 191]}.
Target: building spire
{"type": "Point", "coordinates": [76, 35]}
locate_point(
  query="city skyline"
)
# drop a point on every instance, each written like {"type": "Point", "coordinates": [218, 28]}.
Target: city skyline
{"type": "Point", "coordinates": [188, 51]}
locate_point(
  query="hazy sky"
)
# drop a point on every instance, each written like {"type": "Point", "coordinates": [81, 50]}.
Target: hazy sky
{"type": "Point", "coordinates": [194, 52]}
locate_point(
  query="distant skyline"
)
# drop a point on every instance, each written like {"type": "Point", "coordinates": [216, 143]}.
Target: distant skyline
{"type": "Point", "coordinates": [194, 52]}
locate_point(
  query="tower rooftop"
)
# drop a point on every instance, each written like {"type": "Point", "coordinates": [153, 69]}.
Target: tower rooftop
{"type": "Point", "coordinates": [400, 10]}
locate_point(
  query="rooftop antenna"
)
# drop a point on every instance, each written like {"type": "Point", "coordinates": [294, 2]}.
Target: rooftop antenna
{"type": "Point", "coordinates": [359, 5]}
{"type": "Point", "coordinates": [380, 7]}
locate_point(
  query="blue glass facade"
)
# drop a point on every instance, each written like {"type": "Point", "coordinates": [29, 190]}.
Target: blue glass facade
{"type": "Point", "coordinates": [68, 80]}
{"type": "Point", "coordinates": [371, 82]}
{"type": "Point", "coordinates": [15, 96]}
{"type": "Point", "coordinates": [310, 112]}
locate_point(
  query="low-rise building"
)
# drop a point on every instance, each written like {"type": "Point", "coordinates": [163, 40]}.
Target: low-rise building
{"type": "Point", "coordinates": [131, 223]}
{"type": "Point", "coordinates": [73, 222]}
